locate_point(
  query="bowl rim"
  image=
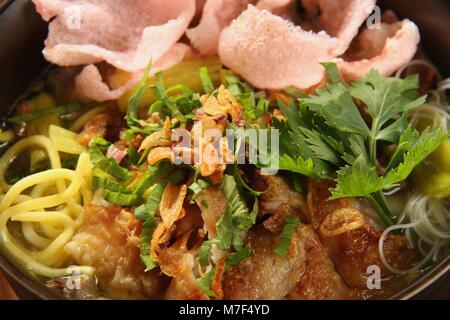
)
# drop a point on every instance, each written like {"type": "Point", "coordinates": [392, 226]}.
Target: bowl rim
{"type": "Point", "coordinates": [4, 4]}
{"type": "Point", "coordinates": [438, 272]}
{"type": "Point", "coordinates": [38, 290]}
{"type": "Point", "coordinates": [22, 281]}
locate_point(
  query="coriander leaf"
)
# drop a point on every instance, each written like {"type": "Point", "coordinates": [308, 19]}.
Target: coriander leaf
{"type": "Point", "coordinates": [298, 165]}
{"type": "Point", "coordinates": [386, 97]}
{"type": "Point", "coordinates": [393, 131]}
{"type": "Point", "coordinates": [336, 106]}
{"type": "Point", "coordinates": [334, 77]}
{"type": "Point", "coordinates": [407, 140]}
{"type": "Point", "coordinates": [297, 117]}
{"type": "Point", "coordinates": [429, 141]}
{"type": "Point", "coordinates": [357, 148]}
{"type": "Point", "coordinates": [357, 180]}
{"type": "Point", "coordinates": [296, 135]}
{"type": "Point", "coordinates": [336, 140]}
{"type": "Point", "coordinates": [294, 153]}
{"type": "Point", "coordinates": [291, 224]}
{"type": "Point", "coordinates": [327, 133]}
{"type": "Point", "coordinates": [237, 241]}
{"type": "Point", "coordinates": [361, 179]}
{"type": "Point", "coordinates": [321, 149]}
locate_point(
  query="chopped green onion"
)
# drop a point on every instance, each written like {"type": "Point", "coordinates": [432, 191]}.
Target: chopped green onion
{"type": "Point", "coordinates": [206, 80]}
{"type": "Point", "coordinates": [204, 203]}
{"type": "Point", "coordinates": [198, 186]}
{"type": "Point", "coordinates": [205, 249]}
{"type": "Point", "coordinates": [30, 116]}
{"type": "Point", "coordinates": [147, 180]}
{"type": "Point", "coordinates": [146, 212]}
{"type": "Point", "coordinates": [108, 165]}
{"type": "Point", "coordinates": [160, 92]}
{"type": "Point", "coordinates": [291, 223]}
{"type": "Point", "coordinates": [133, 155]}
{"type": "Point", "coordinates": [103, 183]}
{"type": "Point", "coordinates": [146, 238]}
{"type": "Point", "coordinates": [135, 100]}
{"type": "Point", "coordinates": [121, 199]}
{"type": "Point", "coordinates": [236, 257]}
{"type": "Point", "coordinates": [205, 283]}
{"type": "Point", "coordinates": [241, 182]}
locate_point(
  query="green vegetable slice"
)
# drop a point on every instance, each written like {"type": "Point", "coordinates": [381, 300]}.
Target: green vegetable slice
{"type": "Point", "coordinates": [291, 224]}
{"type": "Point", "coordinates": [205, 283]}
{"type": "Point", "coordinates": [30, 116]}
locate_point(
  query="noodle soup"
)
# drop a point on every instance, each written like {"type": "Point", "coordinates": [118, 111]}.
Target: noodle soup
{"type": "Point", "coordinates": [197, 173]}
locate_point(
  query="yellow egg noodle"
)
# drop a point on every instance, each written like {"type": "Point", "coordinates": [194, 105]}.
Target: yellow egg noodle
{"type": "Point", "coordinates": [49, 206]}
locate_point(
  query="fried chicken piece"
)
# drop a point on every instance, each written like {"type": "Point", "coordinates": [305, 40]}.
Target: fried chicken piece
{"type": "Point", "coordinates": [355, 250]}
{"type": "Point", "coordinates": [265, 275]}
{"type": "Point", "coordinates": [320, 280]}
{"type": "Point", "coordinates": [109, 241]}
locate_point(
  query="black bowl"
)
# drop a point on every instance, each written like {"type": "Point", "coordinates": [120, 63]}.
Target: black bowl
{"type": "Point", "coordinates": [22, 35]}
